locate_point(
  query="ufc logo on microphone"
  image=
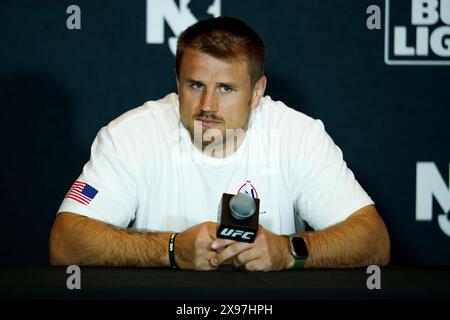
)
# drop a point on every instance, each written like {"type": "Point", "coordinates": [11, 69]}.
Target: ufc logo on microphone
{"type": "Point", "coordinates": [236, 233]}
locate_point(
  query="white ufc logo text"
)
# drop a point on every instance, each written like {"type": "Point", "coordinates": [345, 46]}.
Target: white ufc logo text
{"type": "Point", "coordinates": [236, 233]}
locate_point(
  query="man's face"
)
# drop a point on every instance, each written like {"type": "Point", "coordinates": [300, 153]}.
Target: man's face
{"type": "Point", "coordinates": [215, 94]}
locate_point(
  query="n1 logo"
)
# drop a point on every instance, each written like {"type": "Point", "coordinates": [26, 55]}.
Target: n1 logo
{"type": "Point", "coordinates": [178, 18]}
{"type": "Point", "coordinates": [430, 184]}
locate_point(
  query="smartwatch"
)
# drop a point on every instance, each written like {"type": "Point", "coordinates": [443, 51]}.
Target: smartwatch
{"type": "Point", "coordinates": [299, 251]}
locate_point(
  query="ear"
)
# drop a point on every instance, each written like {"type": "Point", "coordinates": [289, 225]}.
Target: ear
{"type": "Point", "coordinates": [178, 83]}
{"type": "Point", "coordinates": [258, 91]}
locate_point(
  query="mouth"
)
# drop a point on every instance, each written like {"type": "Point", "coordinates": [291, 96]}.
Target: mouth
{"type": "Point", "coordinates": [209, 122]}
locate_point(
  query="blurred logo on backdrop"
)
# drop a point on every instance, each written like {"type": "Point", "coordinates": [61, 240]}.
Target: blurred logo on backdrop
{"type": "Point", "coordinates": [431, 186]}
{"type": "Point", "coordinates": [417, 32]}
{"type": "Point", "coordinates": [166, 19]}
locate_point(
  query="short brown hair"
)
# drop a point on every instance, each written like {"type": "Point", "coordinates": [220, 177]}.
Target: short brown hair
{"type": "Point", "coordinates": [226, 39]}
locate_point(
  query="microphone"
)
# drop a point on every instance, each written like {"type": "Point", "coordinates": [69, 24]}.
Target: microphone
{"type": "Point", "coordinates": [238, 217]}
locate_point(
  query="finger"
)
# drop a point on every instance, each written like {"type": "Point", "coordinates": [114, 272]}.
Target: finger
{"type": "Point", "coordinates": [254, 265]}
{"type": "Point", "coordinates": [244, 257]}
{"type": "Point", "coordinates": [228, 262]}
{"type": "Point", "coordinates": [212, 245]}
{"type": "Point", "coordinates": [202, 260]}
{"type": "Point", "coordinates": [237, 264]}
{"type": "Point", "coordinates": [209, 265]}
{"type": "Point", "coordinates": [212, 229]}
{"type": "Point", "coordinates": [220, 243]}
{"type": "Point", "coordinates": [229, 252]}
{"type": "Point", "coordinates": [206, 266]}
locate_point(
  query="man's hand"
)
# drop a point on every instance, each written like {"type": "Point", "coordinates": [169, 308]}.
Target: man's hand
{"type": "Point", "coordinates": [269, 252]}
{"type": "Point", "coordinates": [193, 247]}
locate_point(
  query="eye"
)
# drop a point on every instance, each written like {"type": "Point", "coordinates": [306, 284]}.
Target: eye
{"type": "Point", "coordinates": [197, 86]}
{"type": "Point", "coordinates": [225, 89]}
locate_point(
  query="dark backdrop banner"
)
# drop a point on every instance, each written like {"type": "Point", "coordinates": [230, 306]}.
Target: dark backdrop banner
{"type": "Point", "coordinates": [383, 93]}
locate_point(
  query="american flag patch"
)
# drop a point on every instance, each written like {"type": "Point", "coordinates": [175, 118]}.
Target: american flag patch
{"type": "Point", "coordinates": [81, 192]}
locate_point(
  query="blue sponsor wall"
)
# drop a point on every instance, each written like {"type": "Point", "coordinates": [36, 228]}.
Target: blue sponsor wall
{"type": "Point", "coordinates": [387, 112]}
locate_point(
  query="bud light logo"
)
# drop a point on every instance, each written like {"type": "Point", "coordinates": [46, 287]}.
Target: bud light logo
{"type": "Point", "coordinates": [166, 19]}
{"type": "Point", "coordinates": [417, 32]}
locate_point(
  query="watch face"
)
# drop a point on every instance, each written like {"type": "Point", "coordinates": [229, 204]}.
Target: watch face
{"type": "Point", "coordinates": [299, 245]}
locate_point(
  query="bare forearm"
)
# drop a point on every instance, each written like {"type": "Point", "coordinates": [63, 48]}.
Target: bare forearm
{"type": "Point", "coordinates": [83, 241]}
{"type": "Point", "coordinates": [360, 240]}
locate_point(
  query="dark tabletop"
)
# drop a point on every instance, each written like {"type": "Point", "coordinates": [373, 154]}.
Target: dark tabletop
{"type": "Point", "coordinates": [397, 282]}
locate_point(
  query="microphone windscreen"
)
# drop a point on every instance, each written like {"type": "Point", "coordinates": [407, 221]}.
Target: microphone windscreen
{"type": "Point", "coordinates": [242, 206]}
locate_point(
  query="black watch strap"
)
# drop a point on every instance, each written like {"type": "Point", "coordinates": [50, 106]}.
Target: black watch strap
{"type": "Point", "coordinates": [299, 251]}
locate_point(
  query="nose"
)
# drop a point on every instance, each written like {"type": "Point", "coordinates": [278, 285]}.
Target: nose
{"type": "Point", "coordinates": [209, 102]}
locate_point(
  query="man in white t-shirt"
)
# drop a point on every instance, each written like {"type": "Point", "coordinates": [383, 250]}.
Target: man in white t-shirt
{"type": "Point", "coordinates": [149, 194]}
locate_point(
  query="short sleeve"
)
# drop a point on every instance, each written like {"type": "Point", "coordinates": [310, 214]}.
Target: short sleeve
{"type": "Point", "coordinates": [105, 190]}
{"type": "Point", "coordinates": [326, 191]}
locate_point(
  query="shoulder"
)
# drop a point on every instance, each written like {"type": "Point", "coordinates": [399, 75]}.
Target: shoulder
{"type": "Point", "coordinates": [151, 112]}
{"type": "Point", "coordinates": [297, 136]}
{"type": "Point", "coordinates": [146, 126]}
{"type": "Point", "coordinates": [289, 121]}
{"type": "Point", "coordinates": [135, 134]}
{"type": "Point", "coordinates": [146, 121]}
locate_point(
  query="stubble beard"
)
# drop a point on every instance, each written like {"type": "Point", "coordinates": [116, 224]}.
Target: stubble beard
{"type": "Point", "coordinates": [216, 142]}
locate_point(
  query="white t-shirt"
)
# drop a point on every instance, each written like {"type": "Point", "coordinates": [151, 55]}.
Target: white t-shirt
{"type": "Point", "coordinates": [145, 172]}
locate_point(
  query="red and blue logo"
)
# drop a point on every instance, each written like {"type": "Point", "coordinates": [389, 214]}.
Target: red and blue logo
{"type": "Point", "coordinates": [249, 189]}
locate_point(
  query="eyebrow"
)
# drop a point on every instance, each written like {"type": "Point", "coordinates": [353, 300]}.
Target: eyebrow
{"type": "Point", "coordinates": [193, 81]}
{"type": "Point", "coordinates": [228, 84]}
